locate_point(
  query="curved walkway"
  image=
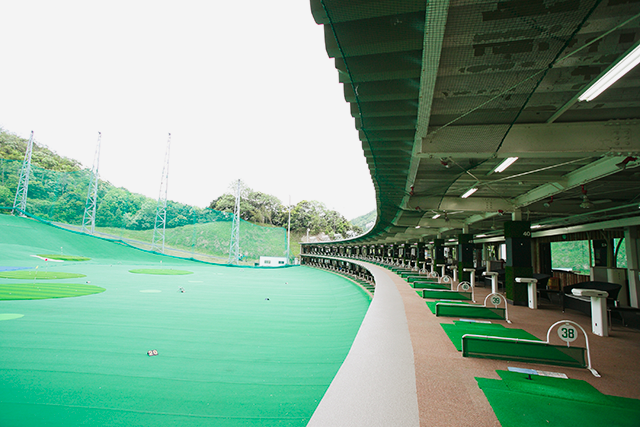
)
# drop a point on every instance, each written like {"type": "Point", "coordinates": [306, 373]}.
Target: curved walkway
{"type": "Point", "coordinates": [376, 385]}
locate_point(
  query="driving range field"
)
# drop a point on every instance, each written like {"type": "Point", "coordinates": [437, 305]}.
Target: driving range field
{"type": "Point", "coordinates": [131, 338]}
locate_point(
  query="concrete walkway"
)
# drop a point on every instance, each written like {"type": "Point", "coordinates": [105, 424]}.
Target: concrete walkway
{"type": "Point", "coordinates": [404, 371]}
{"type": "Point", "coordinates": [376, 385]}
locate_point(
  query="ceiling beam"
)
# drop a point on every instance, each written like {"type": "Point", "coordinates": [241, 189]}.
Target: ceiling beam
{"type": "Point", "coordinates": [539, 140]}
{"type": "Point", "coordinates": [599, 169]}
{"type": "Point", "coordinates": [452, 204]}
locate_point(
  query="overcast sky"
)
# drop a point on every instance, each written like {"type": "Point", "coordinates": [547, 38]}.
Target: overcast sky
{"type": "Point", "coordinates": [245, 88]}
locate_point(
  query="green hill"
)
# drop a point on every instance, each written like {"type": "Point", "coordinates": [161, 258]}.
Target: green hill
{"type": "Point", "coordinates": [366, 221]}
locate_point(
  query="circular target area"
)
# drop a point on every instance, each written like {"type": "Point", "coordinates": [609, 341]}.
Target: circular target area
{"type": "Point", "coordinates": [160, 271]}
{"type": "Point", "coordinates": [26, 291]}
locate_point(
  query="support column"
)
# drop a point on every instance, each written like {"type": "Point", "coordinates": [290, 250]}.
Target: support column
{"type": "Point", "coordinates": [465, 255]}
{"type": "Point", "coordinates": [485, 257]}
{"type": "Point", "coordinates": [633, 265]}
{"type": "Point", "coordinates": [544, 254]}
{"type": "Point", "coordinates": [518, 240]}
{"type": "Point", "coordinates": [438, 254]}
{"type": "Point", "coordinates": [420, 258]}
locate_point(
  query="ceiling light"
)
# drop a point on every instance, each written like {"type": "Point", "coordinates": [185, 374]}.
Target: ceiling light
{"type": "Point", "coordinates": [452, 240]}
{"type": "Point", "coordinates": [417, 226]}
{"type": "Point", "coordinates": [547, 204]}
{"type": "Point", "coordinates": [586, 203]}
{"type": "Point", "coordinates": [469, 192]}
{"type": "Point", "coordinates": [505, 164]}
{"type": "Point", "coordinates": [481, 235]}
{"type": "Point", "coordinates": [536, 226]}
{"type": "Point", "coordinates": [436, 216]}
{"type": "Point", "coordinates": [614, 72]}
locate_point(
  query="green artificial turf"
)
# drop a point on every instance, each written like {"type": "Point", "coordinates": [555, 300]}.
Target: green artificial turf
{"type": "Point", "coordinates": [239, 347]}
{"type": "Point", "coordinates": [160, 271]}
{"type": "Point", "coordinates": [38, 275]}
{"type": "Point", "coordinates": [64, 257]}
{"type": "Point", "coordinates": [456, 330]}
{"type": "Point", "coordinates": [18, 291]}
{"type": "Point", "coordinates": [520, 400]}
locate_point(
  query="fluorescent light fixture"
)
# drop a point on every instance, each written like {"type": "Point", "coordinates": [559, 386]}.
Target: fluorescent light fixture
{"type": "Point", "coordinates": [481, 235]}
{"type": "Point", "coordinates": [469, 192]}
{"type": "Point", "coordinates": [536, 226]}
{"type": "Point", "coordinates": [452, 240]}
{"type": "Point", "coordinates": [613, 73]}
{"type": "Point", "coordinates": [417, 226]}
{"type": "Point", "coordinates": [436, 216]}
{"type": "Point", "coordinates": [505, 164]}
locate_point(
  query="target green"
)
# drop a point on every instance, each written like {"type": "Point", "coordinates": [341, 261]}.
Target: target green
{"type": "Point", "coordinates": [64, 257]}
{"type": "Point", "coordinates": [30, 291]}
{"type": "Point", "coordinates": [38, 275]}
{"type": "Point", "coordinates": [160, 271]}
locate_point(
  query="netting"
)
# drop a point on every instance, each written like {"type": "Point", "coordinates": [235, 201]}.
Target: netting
{"type": "Point", "coordinates": [191, 232]}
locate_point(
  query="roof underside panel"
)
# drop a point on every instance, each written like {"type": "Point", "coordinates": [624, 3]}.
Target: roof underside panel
{"type": "Point", "coordinates": [502, 64]}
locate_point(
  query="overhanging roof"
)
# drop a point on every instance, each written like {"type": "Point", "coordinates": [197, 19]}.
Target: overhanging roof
{"type": "Point", "coordinates": [443, 91]}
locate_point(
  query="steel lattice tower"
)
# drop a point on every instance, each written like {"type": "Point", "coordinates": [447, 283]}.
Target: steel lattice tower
{"type": "Point", "coordinates": [234, 244]}
{"type": "Point", "coordinates": [161, 209]}
{"type": "Point", "coordinates": [89, 218]}
{"type": "Point", "coordinates": [20, 202]}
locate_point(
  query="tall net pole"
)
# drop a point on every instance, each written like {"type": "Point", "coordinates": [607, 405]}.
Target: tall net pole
{"type": "Point", "coordinates": [234, 244]}
{"type": "Point", "coordinates": [89, 218]}
{"type": "Point", "coordinates": [289, 233]}
{"type": "Point", "coordinates": [20, 202]}
{"type": "Point", "coordinates": [161, 209]}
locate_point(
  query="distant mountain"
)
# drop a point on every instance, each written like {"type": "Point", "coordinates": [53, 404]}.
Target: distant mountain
{"type": "Point", "coordinates": [366, 221]}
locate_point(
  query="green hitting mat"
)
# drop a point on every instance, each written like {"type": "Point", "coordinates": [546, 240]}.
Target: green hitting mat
{"type": "Point", "coordinates": [456, 330]}
{"type": "Point", "coordinates": [522, 400]}
{"type": "Point", "coordinates": [222, 346]}
{"type": "Point", "coordinates": [429, 285]}
{"type": "Point", "coordinates": [432, 304]}
{"type": "Point", "coordinates": [444, 294]}
{"type": "Point", "coordinates": [461, 309]}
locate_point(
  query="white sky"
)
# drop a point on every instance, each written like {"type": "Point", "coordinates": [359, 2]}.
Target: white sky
{"type": "Point", "coordinates": [245, 88]}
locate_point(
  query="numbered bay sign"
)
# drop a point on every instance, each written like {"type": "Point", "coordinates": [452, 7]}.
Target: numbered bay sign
{"type": "Point", "coordinates": [567, 333]}
{"type": "Point", "coordinates": [495, 300]}
{"type": "Point", "coordinates": [465, 286]}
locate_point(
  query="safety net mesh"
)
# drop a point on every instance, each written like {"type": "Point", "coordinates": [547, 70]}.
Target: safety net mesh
{"type": "Point", "coordinates": [190, 232]}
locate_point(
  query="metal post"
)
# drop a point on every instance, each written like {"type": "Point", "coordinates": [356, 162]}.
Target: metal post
{"type": "Point", "coordinates": [89, 218]}
{"type": "Point", "coordinates": [20, 202]}
{"type": "Point", "coordinates": [161, 209]}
